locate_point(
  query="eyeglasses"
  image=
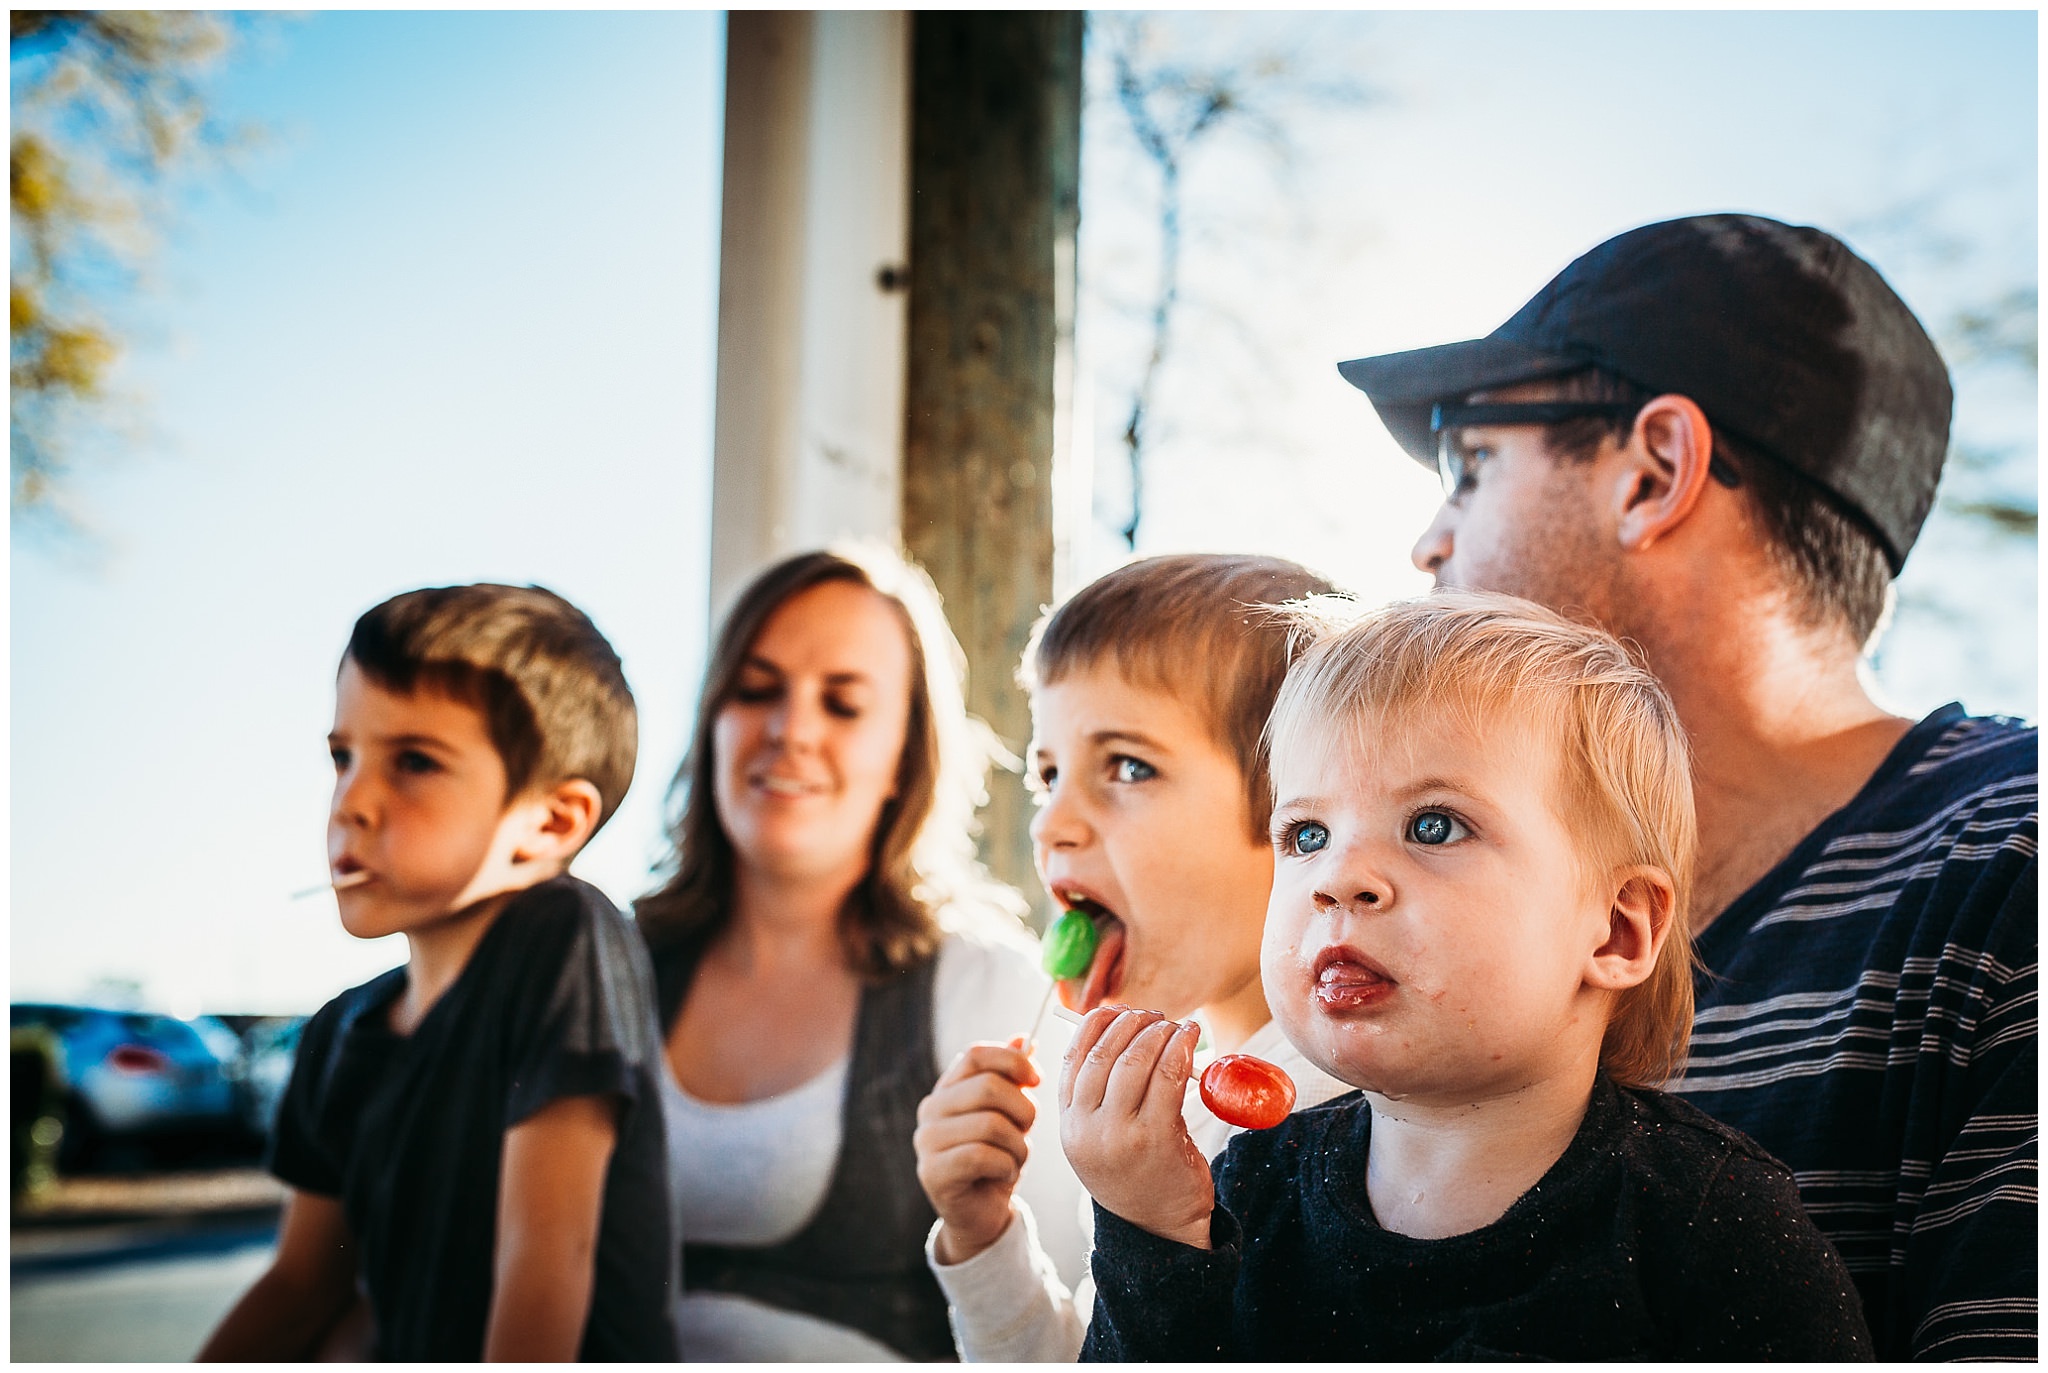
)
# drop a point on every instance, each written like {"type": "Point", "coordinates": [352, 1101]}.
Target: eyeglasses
{"type": "Point", "coordinates": [1454, 462]}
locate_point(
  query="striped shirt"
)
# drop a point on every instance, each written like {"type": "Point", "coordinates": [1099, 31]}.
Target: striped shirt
{"type": "Point", "coordinates": [1867, 1014]}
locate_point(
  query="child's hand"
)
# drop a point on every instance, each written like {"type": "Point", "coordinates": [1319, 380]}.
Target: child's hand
{"type": "Point", "coordinates": [1121, 1087]}
{"type": "Point", "coordinates": [971, 1145]}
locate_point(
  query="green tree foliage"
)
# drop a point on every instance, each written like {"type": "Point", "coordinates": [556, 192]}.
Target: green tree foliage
{"type": "Point", "coordinates": [106, 107]}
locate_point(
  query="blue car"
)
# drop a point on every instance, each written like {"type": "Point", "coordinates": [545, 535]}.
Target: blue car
{"type": "Point", "coordinates": [117, 1075]}
{"type": "Point", "coordinates": [262, 1067]}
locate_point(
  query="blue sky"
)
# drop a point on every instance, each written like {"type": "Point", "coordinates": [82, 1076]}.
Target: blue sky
{"type": "Point", "coordinates": [456, 323]}
{"type": "Point", "coordinates": [1496, 147]}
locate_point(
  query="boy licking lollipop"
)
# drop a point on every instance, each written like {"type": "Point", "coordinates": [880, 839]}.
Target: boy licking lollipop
{"type": "Point", "coordinates": [473, 1141]}
{"type": "Point", "coordinates": [1149, 687]}
{"type": "Point", "coordinates": [1483, 836]}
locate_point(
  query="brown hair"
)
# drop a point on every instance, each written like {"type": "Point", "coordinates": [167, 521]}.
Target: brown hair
{"type": "Point", "coordinates": [923, 857]}
{"type": "Point", "coordinates": [1624, 769]}
{"type": "Point", "coordinates": [552, 693]}
{"type": "Point", "coordinates": [1830, 557]}
{"type": "Point", "coordinates": [1193, 624]}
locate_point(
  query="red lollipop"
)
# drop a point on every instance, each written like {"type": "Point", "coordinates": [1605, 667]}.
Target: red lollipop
{"type": "Point", "coordinates": [1241, 1090]}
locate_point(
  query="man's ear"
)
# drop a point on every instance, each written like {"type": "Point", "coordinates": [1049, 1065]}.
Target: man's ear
{"type": "Point", "coordinates": [1638, 922]}
{"type": "Point", "coordinates": [1665, 471]}
{"type": "Point", "coordinates": [564, 818]}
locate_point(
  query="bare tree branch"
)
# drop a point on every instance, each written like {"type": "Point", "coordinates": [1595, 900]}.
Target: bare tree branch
{"type": "Point", "coordinates": [1174, 110]}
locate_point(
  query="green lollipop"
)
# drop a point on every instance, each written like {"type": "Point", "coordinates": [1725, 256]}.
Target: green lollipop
{"type": "Point", "coordinates": [1068, 950]}
{"type": "Point", "coordinates": [1069, 947]}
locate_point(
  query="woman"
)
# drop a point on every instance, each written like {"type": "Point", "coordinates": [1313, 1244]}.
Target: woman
{"type": "Point", "coordinates": [826, 944]}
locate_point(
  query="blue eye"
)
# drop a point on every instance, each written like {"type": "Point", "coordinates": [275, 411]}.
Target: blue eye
{"type": "Point", "coordinates": [1124, 768]}
{"type": "Point", "coordinates": [1458, 463]}
{"type": "Point", "coordinates": [1434, 827]}
{"type": "Point", "coordinates": [1309, 837]}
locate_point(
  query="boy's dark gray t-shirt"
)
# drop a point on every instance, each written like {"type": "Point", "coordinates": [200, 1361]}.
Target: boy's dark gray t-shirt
{"type": "Point", "coordinates": [556, 1001]}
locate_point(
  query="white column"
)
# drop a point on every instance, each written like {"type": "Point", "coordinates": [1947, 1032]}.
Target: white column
{"type": "Point", "coordinates": [809, 426]}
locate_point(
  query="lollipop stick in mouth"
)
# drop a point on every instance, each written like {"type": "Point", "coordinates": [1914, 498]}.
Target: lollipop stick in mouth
{"type": "Point", "coordinates": [342, 883]}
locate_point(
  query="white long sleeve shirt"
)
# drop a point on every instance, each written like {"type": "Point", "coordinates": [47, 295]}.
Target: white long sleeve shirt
{"type": "Point", "coordinates": [1009, 1304]}
{"type": "Point", "coordinates": [756, 1172]}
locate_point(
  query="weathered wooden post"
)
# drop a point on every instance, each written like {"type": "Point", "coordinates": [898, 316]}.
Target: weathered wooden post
{"type": "Point", "coordinates": [994, 178]}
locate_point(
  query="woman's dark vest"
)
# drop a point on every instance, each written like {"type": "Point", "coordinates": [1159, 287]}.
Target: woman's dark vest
{"type": "Point", "coordinates": [860, 1260]}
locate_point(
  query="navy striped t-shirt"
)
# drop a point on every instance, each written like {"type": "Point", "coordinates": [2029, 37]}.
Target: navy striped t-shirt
{"type": "Point", "coordinates": [1867, 1014]}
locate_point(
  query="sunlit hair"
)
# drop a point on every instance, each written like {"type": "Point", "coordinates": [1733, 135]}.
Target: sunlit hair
{"type": "Point", "coordinates": [1478, 661]}
{"type": "Point", "coordinates": [922, 862]}
{"type": "Point", "coordinates": [552, 693]}
{"type": "Point", "coordinates": [1196, 625]}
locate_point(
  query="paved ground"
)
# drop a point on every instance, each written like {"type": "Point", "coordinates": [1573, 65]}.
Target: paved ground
{"type": "Point", "coordinates": [155, 1310]}
{"type": "Point", "coordinates": [135, 1268]}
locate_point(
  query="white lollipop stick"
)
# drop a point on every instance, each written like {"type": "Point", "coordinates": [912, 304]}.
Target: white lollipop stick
{"type": "Point", "coordinates": [1038, 1021]}
{"type": "Point", "coordinates": [343, 883]}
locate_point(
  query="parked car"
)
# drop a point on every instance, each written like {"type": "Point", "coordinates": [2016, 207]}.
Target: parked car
{"type": "Point", "coordinates": [262, 1069]}
{"type": "Point", "coordinates": [219, 1036]}
{"type": "Point", "coordinates": [110, 1076]}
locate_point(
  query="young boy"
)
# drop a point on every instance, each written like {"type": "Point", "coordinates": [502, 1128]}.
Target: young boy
{"type": "Point", "coordinates": [474, 1139]}
{"type": "Point", "coordinates": [1148, 691]}
{"type": "Point", "coordinates": [1483, 835]}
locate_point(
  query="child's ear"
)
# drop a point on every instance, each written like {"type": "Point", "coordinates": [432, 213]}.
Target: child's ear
{"type": "Point", "coordinates": [568, 813]}
{"type": "Point", "coordinates": [1638, 922]}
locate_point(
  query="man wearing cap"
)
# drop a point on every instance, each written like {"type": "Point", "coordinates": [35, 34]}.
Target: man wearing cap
{"type": "Point", "coordinates": [1719, 437]}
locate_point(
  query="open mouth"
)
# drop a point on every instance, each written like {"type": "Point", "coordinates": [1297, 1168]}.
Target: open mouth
{"type": "Point", "coordinates": [1106, 970]}
{"type": "Point", "coordinates": [346, 872]}
{"type": "Point", "coordinates": [1347, 980]}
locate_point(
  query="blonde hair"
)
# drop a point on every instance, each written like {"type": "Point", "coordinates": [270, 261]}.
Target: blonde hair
{"type": "Point", "coordinates": [1624, 768]}
{"type": "Point", "coordinates": [923, 859]}
{"type": "Point", "coordinates": [1196, 625]}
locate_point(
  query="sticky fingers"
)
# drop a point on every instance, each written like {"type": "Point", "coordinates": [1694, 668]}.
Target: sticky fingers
{"type": "Point", "coordinates": [1135, 1071]}
{"type": "Point", "coordinates": [1090, 1029]}
{"type": "Point", "coordinates": [1086, 1073]}
{"type": "Point", "coordinates": [1122, 1090]}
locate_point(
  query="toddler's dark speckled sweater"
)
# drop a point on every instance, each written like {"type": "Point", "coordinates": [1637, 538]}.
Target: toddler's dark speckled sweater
{"type": "Point", "coordinates": [1660, 1234]}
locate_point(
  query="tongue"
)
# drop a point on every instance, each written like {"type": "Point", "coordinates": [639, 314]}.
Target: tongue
{"type": "Point", "coordinates": [1348, 975]}
{"type": "Point", "coordinates": [1083, 994]}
